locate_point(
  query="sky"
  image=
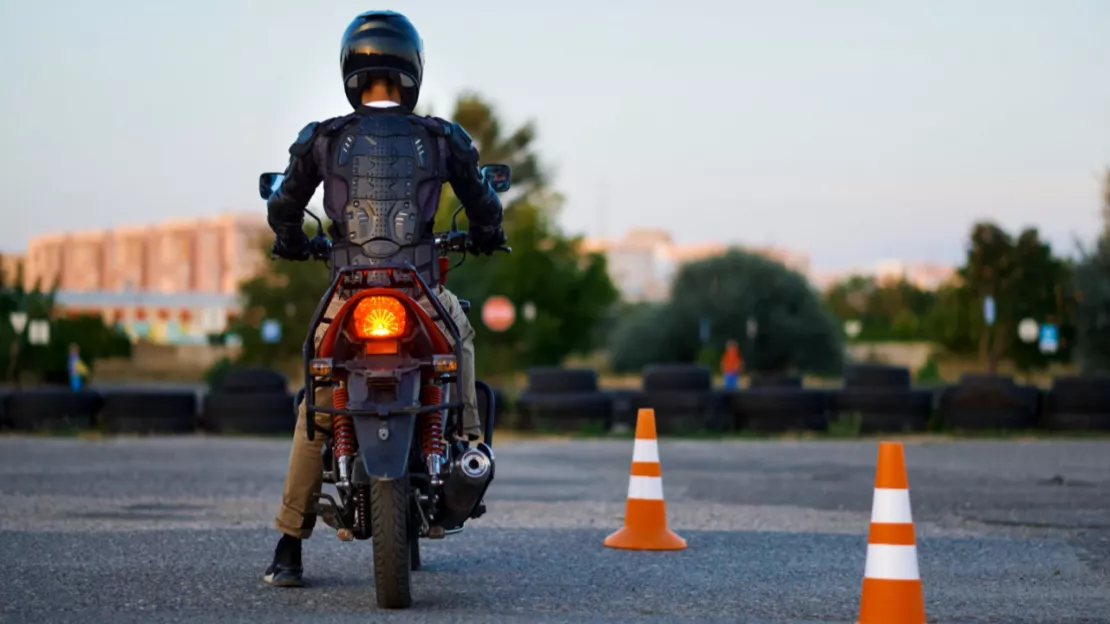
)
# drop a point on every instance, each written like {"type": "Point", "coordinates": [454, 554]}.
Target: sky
{"type": "Point", "coordinates": [854, 131]}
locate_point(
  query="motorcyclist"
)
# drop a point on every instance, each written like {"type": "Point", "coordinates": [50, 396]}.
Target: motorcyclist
{"type": "Point", "coordinates": [382, 168]}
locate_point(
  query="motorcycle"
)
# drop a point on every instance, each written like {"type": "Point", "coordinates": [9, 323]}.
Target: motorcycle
{"type": "Point", "coordinates": [396, 455]}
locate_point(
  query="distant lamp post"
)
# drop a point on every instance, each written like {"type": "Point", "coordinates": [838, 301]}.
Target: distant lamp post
{"type": "Point", "coordinates": [853, 328]}
{"type": "Point", "coordinates": [1028, 330]}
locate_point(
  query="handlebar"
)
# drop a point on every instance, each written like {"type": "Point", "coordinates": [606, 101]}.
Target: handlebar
{"type": "Point", "coordinates": [319, 246]}
{"type": "Point", "coordinates": [458, 241]}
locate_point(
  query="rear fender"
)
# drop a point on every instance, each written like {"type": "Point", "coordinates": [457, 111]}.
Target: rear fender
{"type": "Point", "coordinates": [384, 444]}
{"type": "Point", "coordinates": [385, 438]}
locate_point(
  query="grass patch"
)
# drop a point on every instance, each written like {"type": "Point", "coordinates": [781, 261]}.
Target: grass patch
{"type": "Point", "coordinates": [846, 425]}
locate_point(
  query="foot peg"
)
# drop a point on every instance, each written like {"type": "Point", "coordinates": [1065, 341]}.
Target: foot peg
{"type": "Point", "coordinates": [328, 516]}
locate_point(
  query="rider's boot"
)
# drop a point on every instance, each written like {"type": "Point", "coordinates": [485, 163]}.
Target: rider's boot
{"type": "Point", "coordinates": [286, 570]}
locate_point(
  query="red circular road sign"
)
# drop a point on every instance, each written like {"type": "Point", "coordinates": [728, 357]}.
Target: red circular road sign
{"type": "Point", "coordinates": [498, 313]}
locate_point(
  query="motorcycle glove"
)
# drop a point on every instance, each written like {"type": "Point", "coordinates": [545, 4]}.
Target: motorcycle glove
{"type": "Point", "coordinates": [292, 248]}
{"type": "Point", "coordinates": [487, 239]}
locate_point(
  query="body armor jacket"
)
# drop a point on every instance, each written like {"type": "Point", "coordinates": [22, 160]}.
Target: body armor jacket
{"type": "Point", "coordinates": [391, 170]}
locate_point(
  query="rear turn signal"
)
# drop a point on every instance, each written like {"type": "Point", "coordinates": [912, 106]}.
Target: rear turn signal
{"type": "Point", "coordinates": [320, 367]}
{"type": "Point", "coordinates": [378, 317]}
{"type": "Point", "coordinates": [445, 364]}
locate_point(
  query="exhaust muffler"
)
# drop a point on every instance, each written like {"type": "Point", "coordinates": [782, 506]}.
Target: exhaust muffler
{"type": "Point", "coordinates": [470, 476]}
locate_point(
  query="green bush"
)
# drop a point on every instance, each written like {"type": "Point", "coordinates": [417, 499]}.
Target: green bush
{"type": "Point", "coordinates": [929, 372]}
{"type": "Point", "coordinates": [795, 330]}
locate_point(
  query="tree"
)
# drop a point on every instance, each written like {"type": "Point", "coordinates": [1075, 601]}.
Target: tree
{"type": "Point", "coordinates": [49, 362]}
{"type": "Point", "coordinates": [1024, 279]}
{"type": "Point", "coordinates": [955, 321]}
{"type": "Point", "coordinates": [887, 311]}
{"type": "Point", "coordinates": [1041, 293]}
{"type": "Point", "coordinates": [796, 331]}
{"type": "Point", "coordinates": [989, 272]}
{"type": "Point", "coordinates": [1091, 294]}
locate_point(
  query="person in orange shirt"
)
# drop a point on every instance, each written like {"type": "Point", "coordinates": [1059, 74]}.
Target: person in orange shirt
{"type": "Point", "coordinates": [731, 363]}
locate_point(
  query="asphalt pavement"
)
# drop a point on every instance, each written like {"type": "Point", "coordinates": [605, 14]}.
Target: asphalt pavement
{"type": "Point", "coordinates": [178, 530]}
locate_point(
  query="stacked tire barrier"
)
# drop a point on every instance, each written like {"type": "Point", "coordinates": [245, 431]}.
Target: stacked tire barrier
{"type": "Point", "coordinates": [1078, 404]}
{"type": "Point", "coordinates": [882, 398]}
{"type": "Point", "coordinates": [4, 422]}
{"type": "Point", "coordinates": [564, 400]}
{"type": "Point", "coordinates": [250, 401]}
{"type": "Point", "coordinates": [624, 407]}
{"type": "Point", "coordinates": [50, 409]}
{"type": "Point", "coordinates": [683, 398]}
{"type": "Point", "coordinates": [149, 411]}
{"type": "Point", "coordinates": [989, 402]}
{"type": "Point", "coordinates": [257, 401]}
{"type": "Point", "coordinates": [780, 404]}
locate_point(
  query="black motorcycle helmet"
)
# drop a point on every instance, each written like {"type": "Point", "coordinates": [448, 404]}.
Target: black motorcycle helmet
{"type": "Point", "coordinates": [382, 44]}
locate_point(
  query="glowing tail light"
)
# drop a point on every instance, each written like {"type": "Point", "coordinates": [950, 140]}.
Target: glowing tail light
{"type": "Point", "coordinates": [378, 317]}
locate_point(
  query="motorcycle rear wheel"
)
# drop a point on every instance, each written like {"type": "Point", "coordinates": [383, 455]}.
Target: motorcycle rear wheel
{"type": "Point", "coordinates": [414, 537]}
{"type": "Point", "coordinates": [389, 512]}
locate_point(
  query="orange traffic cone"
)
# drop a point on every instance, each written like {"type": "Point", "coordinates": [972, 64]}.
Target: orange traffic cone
{"type": "Point", "coordinates": [645, 514]}
{"type": "Point", "coordinates": [891, 581]}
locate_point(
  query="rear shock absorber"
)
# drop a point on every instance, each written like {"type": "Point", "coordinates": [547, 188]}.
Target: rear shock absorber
{"type": "Point", "coordinates": [343, 430]}
{"type": "Point", "coordinates": [431, 432]}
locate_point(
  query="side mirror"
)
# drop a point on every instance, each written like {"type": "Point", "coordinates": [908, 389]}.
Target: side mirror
{"type": "Point", "coordinates": [269, 183]}
{"type": "Point", "coordinates": [499, 176]}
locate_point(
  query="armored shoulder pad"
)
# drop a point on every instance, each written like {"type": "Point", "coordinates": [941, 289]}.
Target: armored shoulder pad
{"type": "Point", "coordinates": [460, 142]}
{"type": "Point", "coordinates": [314, 130]}
{"type": "Point", "coordinates": [304, 140]}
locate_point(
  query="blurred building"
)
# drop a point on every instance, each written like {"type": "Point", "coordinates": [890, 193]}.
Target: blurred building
{"type": "Point", "coordinates": [644, 263]}
{"type": "Point", "coordinates": [9, 268]}
{"type": "Point", "coordinates": [924, 275]}
{"type": "Point", "coordinates": [172, 282]}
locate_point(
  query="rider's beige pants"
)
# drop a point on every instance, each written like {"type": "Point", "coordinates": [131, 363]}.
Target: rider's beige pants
{"type": "Point", "coordinates": [305, 479]}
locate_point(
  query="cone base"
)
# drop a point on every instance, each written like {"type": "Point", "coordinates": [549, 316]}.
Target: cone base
{"type": "Point", "coordinates": [891, 602]}
{"type": "Point", "coordinates": [633, 539]}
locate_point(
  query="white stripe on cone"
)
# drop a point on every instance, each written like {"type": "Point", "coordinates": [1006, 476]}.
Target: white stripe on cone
{"type": "Point", "coordinates": [645, 451]}
{"type": "Point", "coordinates": [645, 488]}
{"type": "Point", "coordinates": [891, 563]}
{"type": "Point", "coordinates": [891, 507]}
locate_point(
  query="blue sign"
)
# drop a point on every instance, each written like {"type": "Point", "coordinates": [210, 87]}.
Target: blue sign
{"type": "Point", "coordinates": [1049, 338]}
{"type": "Point", "coordinates": [271, 331]}
{"type": "Point", "coordinates": [988, 310]}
